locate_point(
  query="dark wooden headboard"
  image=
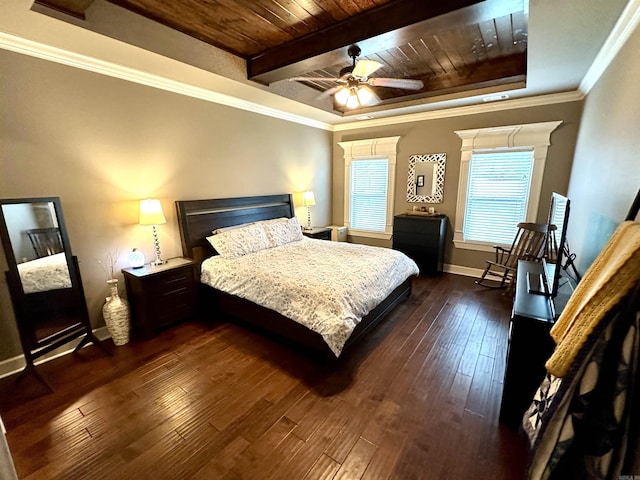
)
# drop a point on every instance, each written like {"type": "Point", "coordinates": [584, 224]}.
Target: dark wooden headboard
{"type": "Point", "coordinates": [198, 218]}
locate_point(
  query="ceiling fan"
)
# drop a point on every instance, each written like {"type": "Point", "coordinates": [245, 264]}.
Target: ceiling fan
{"type": "Point", "coordinates": [353, 89]}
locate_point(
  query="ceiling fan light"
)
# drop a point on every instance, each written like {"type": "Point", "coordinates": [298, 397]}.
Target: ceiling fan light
{"type": "Point", "coordinates": [364, 95]}
{"type": "Point", "coordinates": [352, 101]}
{"type": "Point", "coordinates": [341, 96]}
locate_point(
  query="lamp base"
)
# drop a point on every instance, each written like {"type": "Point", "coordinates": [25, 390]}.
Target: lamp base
{"type": "Point", "coordinates": [157, 262]}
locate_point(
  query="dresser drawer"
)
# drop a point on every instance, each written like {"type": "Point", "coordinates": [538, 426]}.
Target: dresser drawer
{"type": "Point", "coordinates": [173, 282]}
{"type": "Point", "coordinates": [421, 225]}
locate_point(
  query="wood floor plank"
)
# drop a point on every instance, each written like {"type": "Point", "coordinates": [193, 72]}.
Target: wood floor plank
{"type": "Point", "coordinates": [418, 398]}
{"type": "Point", "coordinates": [357, 461]}
{"type": "Point", "coordinates": [324, 469]}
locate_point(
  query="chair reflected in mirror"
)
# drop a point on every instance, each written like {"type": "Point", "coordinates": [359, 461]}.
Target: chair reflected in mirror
{"type": "Point", "coordinates": [532, 242]}
{"type": "Point", "coordinates": [45, 241]}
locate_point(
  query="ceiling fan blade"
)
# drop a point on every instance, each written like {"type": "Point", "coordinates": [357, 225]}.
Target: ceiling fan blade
{"type": "Point", "coordinates": [364, 68]}
{"type": "Point", "coordinates": [329, 92]}
{"type": "Point", "coordinates": [404, 83]}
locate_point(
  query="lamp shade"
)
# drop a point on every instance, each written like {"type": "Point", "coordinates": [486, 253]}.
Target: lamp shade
{"type": "Point", "coordinates": [342, 95]}
{"type": "Point", "coordinates": [308, 199]}
{"type": "Point", "coordinates": [151, 212]}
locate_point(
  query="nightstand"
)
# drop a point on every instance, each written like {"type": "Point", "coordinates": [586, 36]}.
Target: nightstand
{"type": "Point", "coordinates": [320, 233]}
{"type": "Point", "coordinates": [160, 296]}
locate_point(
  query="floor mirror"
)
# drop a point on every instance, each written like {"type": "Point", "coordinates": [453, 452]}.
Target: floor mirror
{"type": "Point", "coordinates": [43, 279]}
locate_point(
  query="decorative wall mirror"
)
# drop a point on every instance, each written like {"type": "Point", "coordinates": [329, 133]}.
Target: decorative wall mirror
{"type": "Point", "coordinates": [43, 278]}
{"type": "Point", "coordinates": [425, 181]}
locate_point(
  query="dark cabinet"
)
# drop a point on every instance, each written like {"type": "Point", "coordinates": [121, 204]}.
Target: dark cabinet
{"type": "Point", "coordinates": [161, 295]}
{"type": "Point", "coordinates": [421, 238]}
{"type": "Point", "coordinates": [529, 347]}
{"type": "Point", "coordinates": [319, 233]}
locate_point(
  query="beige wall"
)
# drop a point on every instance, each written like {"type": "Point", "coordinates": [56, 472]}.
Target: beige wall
{"type": "Point", "coordinates": [101, 144]}
{"type": "Point", "coordinates": [606, 172]}
{"type": "Point", "coordinates": [436, 136]}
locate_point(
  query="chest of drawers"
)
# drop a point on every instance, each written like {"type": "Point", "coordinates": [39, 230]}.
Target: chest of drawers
{"type": "Point", "coordinates": [421, 238]}
{"type": "Point", "coordinates": [161, 295]}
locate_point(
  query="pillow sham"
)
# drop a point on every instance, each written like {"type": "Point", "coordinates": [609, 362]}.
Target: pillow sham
{"type": "Point", "coordinates": [240, 241]}
{"type": "Point", "coordinates": [282, 231]}
{"type": "Point", "coordinates": [233, 227]}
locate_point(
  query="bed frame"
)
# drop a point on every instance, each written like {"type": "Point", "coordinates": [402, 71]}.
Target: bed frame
{"type": "Point", "coordinates": [198, 218]}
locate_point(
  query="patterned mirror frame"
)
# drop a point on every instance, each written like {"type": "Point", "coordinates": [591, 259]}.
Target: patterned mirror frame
{"type": "Point", "coordinates": [438, 195]}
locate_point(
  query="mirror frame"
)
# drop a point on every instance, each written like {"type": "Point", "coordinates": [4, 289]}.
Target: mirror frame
{"type": "Point", "coordinates": [12, 261]}
{"type": "Point", "coordinates": [440, 160]}
{"type": "Point", "coordinates": [60, 314]}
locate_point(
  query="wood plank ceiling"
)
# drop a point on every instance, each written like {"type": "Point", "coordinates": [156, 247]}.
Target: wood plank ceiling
{"type": "Point", "coordinates": [452, 47]}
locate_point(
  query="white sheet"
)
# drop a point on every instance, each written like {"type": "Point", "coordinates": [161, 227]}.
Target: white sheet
{"type": "Point", "coordinates": [46, 273]}
{"type": "Point", "coordinates": [326, 286]}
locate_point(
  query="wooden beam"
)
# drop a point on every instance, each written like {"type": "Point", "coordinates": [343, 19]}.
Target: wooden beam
{"type": "Point", "coordinates": [75, 8]}
{"type": "Point", "coordinates": [374, 30]}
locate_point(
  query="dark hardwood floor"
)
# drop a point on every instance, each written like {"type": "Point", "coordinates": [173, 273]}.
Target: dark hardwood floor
{"type": "Point", "coordinates": [417, 399]}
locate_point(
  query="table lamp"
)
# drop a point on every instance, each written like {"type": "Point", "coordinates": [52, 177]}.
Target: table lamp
{"type": "Point", "coordinates": [308, 200]}
{"type": "Point", "coordinates": [151, 214]}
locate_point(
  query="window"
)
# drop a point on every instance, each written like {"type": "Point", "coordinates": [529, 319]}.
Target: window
{"type": "Point", "coordinates": [500, 181]}
{"type": "Point", "coordinates": [368, 194]}
{"type": "Point", "coordinates": [369, 179]}
{"type": "Point", "coordinates": [497, 195]}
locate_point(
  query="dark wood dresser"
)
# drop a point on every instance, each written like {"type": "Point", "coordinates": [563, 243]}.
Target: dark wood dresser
{"type": "Point", "coordinates": [530, 345]}
{"type": "Point", "coordinates": [421, 238]}
{"type": "Point", "coordinates": [162, 295]}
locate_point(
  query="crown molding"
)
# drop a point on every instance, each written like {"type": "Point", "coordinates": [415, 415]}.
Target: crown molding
{"type": "Point", "coordinates": [536, 101]}
{"type": "Point", "coordinates": [85, 62]}
{"type": "Point", "coordinates": [624, 27]}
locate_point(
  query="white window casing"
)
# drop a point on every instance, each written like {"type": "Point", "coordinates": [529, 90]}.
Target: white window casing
{"type": "Point", "coordinates": [370, 149]}
{"type": "Point", "coordinates": [534, 136]}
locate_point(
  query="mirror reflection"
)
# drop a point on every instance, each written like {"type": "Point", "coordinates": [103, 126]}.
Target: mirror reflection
{"type": "Point", "coordinates": [425, 181]}
{"type": "Point", "coordinates": [37, 246]}
{"type": "Point", "coordinates": [426, 178]}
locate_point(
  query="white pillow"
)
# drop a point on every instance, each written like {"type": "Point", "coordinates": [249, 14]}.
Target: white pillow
{"type": "Point", "coordinates": [240, 241]}
{"type": "Point", "coordinates": [282, 231]}
{"type": "Point", "coordinates": [233, 227]}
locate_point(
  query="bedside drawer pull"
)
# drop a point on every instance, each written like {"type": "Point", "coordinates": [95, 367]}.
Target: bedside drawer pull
{"type": "Point", "coordinates": [174, 292]}
{"type": "Point", "coordinates": [176, 279]}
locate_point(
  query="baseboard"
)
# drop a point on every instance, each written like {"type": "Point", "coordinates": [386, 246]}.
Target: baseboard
{"type": "Point", "coordinates": [17, 363]}
{"type": "Point", "coordinates": [466, 271]}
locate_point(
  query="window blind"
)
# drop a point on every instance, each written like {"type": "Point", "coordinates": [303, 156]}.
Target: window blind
{"type": "Point", "coordinates": [368, 195]}
{"type": "Point", "coordinates": [497, 195]}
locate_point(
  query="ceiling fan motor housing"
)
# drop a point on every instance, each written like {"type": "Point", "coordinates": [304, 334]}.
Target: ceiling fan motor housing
{"type": "Point", "coordinates": [354, 52]}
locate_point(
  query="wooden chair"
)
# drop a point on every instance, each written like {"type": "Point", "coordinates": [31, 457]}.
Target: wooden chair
{"type": "Point", "coordinates": [45, 241]}
{"type": "Point", "coordinates": [532, 242]}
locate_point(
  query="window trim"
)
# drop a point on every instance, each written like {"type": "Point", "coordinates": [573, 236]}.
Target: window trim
{"type": "Point", "coordinates": [495, 139]}
{"type": "Point", "coordinates": [373, 148]}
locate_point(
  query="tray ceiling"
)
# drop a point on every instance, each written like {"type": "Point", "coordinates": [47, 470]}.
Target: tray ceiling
{"type": "Point", "coordinates": [452, 47]}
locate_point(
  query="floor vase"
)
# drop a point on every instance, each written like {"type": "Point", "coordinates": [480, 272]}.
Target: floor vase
{"type": "Point", "coordinates": [116, 315]}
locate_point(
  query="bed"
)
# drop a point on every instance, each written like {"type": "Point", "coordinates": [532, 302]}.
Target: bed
{"type": "Point", "coordinates": [46, 273]}
{"type": "Point", "coordinates": [199, 218]}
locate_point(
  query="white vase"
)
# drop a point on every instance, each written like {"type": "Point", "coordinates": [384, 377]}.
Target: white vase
{"type": "Point", "coordinates": [116, 315]}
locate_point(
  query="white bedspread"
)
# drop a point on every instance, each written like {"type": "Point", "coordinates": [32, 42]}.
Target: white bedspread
{"type": "Point", "coordinates": [326, 286]}
{"type": "Point", "coordinates": [46, 273]}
